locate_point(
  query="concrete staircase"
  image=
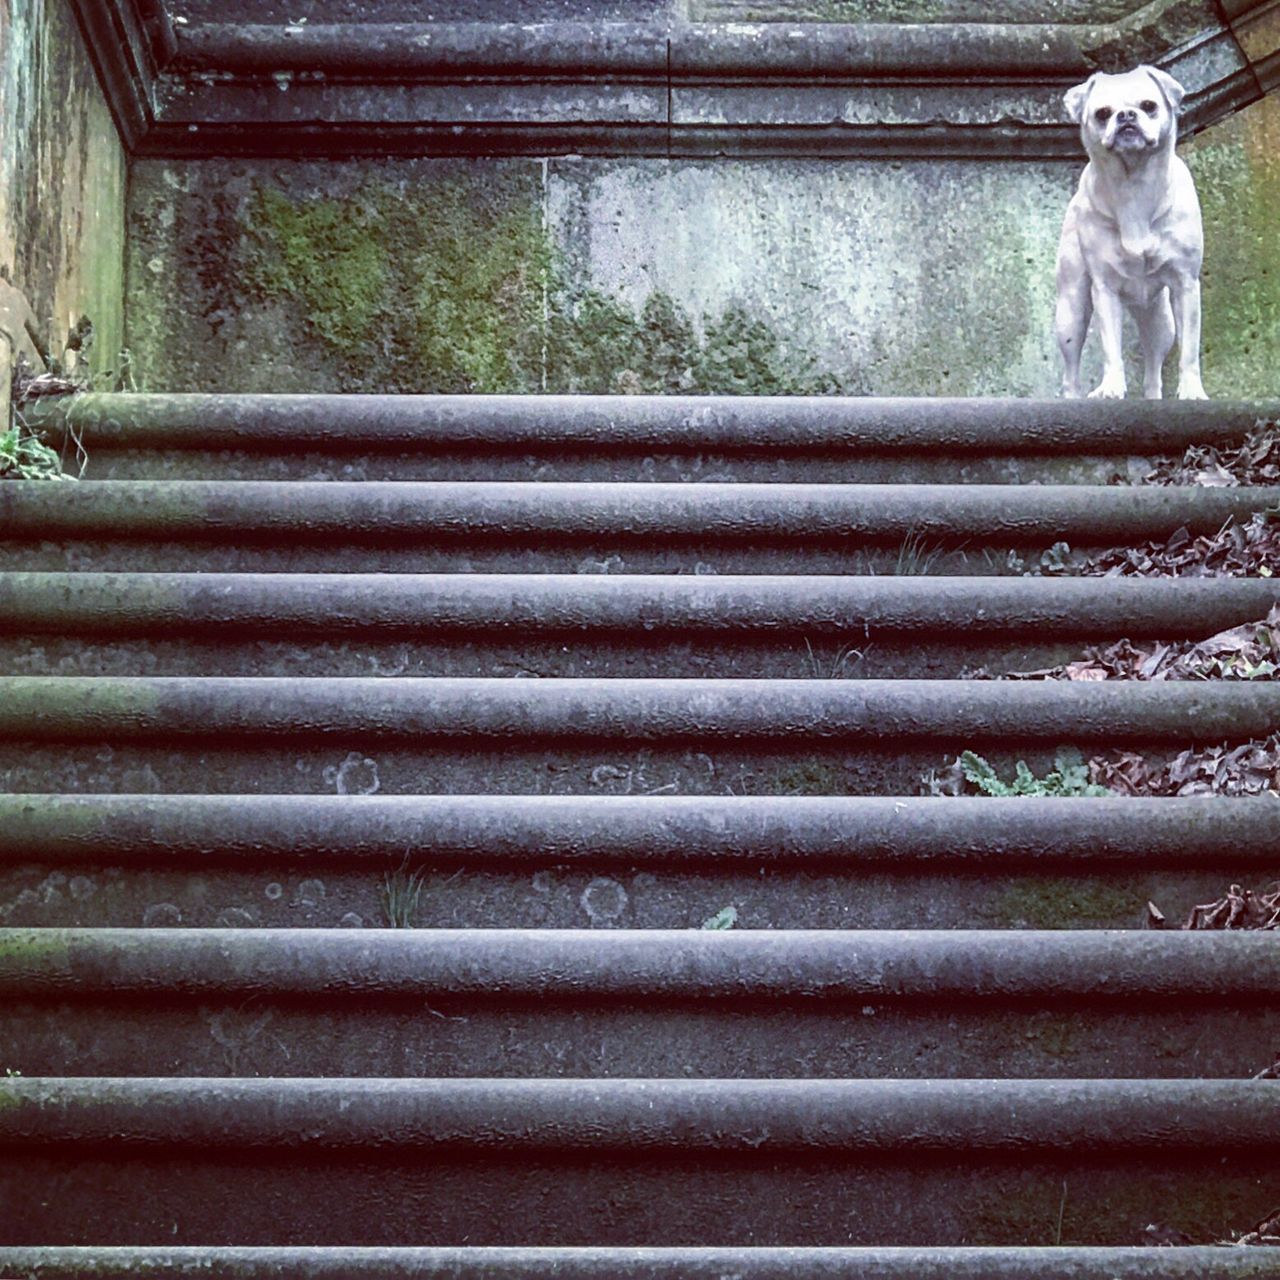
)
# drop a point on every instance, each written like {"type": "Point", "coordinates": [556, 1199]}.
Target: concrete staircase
{"type": "Point", "coordinates": [262, 697]}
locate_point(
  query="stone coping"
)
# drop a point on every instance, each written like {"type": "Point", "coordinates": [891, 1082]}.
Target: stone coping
{"type": "Point", "coordinates": [663, 87]}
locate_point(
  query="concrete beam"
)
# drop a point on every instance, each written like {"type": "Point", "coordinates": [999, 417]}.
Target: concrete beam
{"type": "Point", "coordinates": [1016, 1263]}
{"type": "Point", "coordinates": [915, 834]}
{"type": "Point", "coordinates": [639, 1118]}
{"type": "Point", "coordinates": [660, 88]}
{"type": "Point", "coordinates": [686, 965]}
{"type": "Point", "coordinates": [446, 709]}
{"type": "Point", "coordinates": [583, 511]}
{"type": "Point", "coordinates": [730, 424]}
{"type": "Point", "coordinates": [656, 606]}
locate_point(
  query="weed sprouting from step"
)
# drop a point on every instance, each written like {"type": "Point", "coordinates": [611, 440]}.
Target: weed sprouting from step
{"type": "Point", "coordinates": [725, 918]}
{"type": "Point", "coordinates": [916, 557]}
{"type": "Point", "coordinates": [24, 456]}
{"type": "Point", "coordinates": [841, 665]}
{"type": "Point", "coordinates": [1069, 778]}
{"type": "Point", "coordinates": [23, 453]}
{"type": "Point", "coordinates": [402, 892]}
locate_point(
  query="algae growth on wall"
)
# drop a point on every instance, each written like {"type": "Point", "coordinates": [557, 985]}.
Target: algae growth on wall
{"type": "Point", "coordinates": [639, 275]}
{"type": "Point", "coordinates": [589, 276]}
{"type": "Point", "coordinates": [1237, 171]}
{"type": "Point", "coordinates": [62, 178]}
{"type": "Point", "coordinates": [420, 276]}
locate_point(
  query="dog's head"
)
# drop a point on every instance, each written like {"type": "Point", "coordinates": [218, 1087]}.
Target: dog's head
{"type": "Point", "coordinates": [1129, 114]}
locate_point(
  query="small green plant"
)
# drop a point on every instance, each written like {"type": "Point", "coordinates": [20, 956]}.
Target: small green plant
{"type": "Point", "coordinates": [12, 1073]}
{"type": "Point", "coordinates": [24, 456]}
{"type": "Point", "coordinates": [916, 557]}
{"type": "Point", "coordinates": [402, 891]}
{"type": "Point", "coordinates": [725, 918]}
{"type": "Point", "coordinates": [1057, 559]}
{"type": "Point", "coordinates": [840, 665]}
{"type": "Point", "coordinates": [1069, 778]}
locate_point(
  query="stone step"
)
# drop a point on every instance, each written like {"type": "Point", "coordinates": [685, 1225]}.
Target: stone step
{"type": "Point", "coordinates": [686, 966]}
{"type": "Point", "coordinates": [854, 833]}
{"type": "Point", "coordinates": [215, 607]}
{"type": "Point", "coordinates": [629, 1161]}
{"type": "Point", "coordinates": [703, 1003]}
{"type": "Point", "coordinates": [262, 437]}
{"type": "Point", "coordinates": [603, 861]}
{"type": "Point", "coordinates": [188, 624]}
{"type": "Point", "coordinates": [839, 1117]}
{"type": "Point", "coordinates": [589, 528]}
{"type": "Point", "coordinates": [530, 713]}
{"type": "Point", "coordinates": [1011, 1263]}
{"type": "Point", "coordinates": [731, 424]}
{"type": "Point", "coordinates": [582, 512]}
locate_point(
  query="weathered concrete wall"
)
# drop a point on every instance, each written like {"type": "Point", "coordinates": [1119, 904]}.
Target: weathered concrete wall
{"type": "Point", "coordinates": [868, 277]}
{"type": "Point", "coordinates": [62, 178]}
{"type": "Point", "coordinates": [1237, 170]}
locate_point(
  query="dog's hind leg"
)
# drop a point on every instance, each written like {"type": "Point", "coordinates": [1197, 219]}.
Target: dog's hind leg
{"type": "Point", "coordinates": [1186, 312]}
{"type": "Point", "coordinates": [1156, 330]}
{"type": "Point", "coordinates": [1075, 309]}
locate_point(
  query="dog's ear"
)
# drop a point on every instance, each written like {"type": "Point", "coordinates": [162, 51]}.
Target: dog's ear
{"type": "Point", "coordinates": [1074, 99]}
{"type": "Point", "coordinates": [1172, 90]}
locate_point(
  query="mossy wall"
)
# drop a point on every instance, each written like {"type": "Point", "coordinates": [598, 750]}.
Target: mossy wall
{"type": "Point", "coordinates": [62, 178]}
{"type": "Point", "coordinates": [592, 276]}
{"type": "Point", "coordinates": [1237, 171]}
{"type": "Point", "coordinates": [581, 275]}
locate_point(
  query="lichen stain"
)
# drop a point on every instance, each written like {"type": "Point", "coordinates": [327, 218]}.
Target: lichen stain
{"type": "Point", "coordinates": [1237, 169]}
{"type": "Point", "coordinates": [406, 291]}
{"type": "Point", "coordinates": [441, 291]}
{"type": "Point", "coordinates": [1063, 904]}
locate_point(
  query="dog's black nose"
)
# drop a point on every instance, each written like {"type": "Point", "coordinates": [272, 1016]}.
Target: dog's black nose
{"type": "Point", "coordinates": [1126, 116]}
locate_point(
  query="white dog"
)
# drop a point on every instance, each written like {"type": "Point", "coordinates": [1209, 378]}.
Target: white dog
{"type": "Point", "coordinates": [1132, 236]}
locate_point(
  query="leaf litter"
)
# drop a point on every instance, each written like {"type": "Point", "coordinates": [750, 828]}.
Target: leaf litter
{"type": "Point", "coordinates": [1255, 461]}
{"type": "Point", "coordinates": [1247, 652]}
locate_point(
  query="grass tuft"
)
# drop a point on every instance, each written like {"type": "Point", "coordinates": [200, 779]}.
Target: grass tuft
{"type": "Point", "coordinates": [402, 892]}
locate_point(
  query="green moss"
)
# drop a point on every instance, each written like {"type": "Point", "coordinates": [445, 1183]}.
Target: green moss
{"type": "Point", "coordinates": [457, 288]}
{"type": "Point", "coordinates": [26, 949]}
{"type": "Point", "coordinates": [1237, 171]}
{"type": "Point", "coordinates": [813, 778]}
{"type": "Point", "coordinates": [328, 255]}
{"type": "Point", "coordinates": [1062, 903]}
{"type": "Point", "coordinates": [480, 283]}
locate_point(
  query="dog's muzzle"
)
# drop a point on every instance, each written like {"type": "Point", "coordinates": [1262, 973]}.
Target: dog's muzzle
{"type": "Point", "coordinates": [1130, 136]}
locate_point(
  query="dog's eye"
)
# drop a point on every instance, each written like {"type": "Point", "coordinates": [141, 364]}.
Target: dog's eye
{"type": "Point", "coordinates": [1102, 115]}
{"type": "Point", "coordinates": [1149, 107]}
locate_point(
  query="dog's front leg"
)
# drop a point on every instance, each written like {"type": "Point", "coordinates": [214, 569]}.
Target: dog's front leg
{"type": "Point", "coordinates": [1186, 314]}
{"type": "Point", "coordinates": [1157, 330]}
{"type": "Point", "coordinates": [1109, 311]}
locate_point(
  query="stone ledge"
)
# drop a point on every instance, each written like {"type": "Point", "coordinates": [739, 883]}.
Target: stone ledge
{"type": "Point", "coordinates": [916, 834]}
{"type": "Point", "coordinates": [1207, 1262]}
{"type": "Point", "coordinates": [664, 88]}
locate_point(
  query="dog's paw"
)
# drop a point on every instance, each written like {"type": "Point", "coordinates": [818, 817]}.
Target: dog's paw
{"type": "Point", "coordinates": [1191, 389]}
{"type": "Point", "coordinates": [1108, 389]}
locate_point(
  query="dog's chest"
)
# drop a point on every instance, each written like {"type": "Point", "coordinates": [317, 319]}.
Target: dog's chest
{"type": "Point", "coordinates": [1137, 272]}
